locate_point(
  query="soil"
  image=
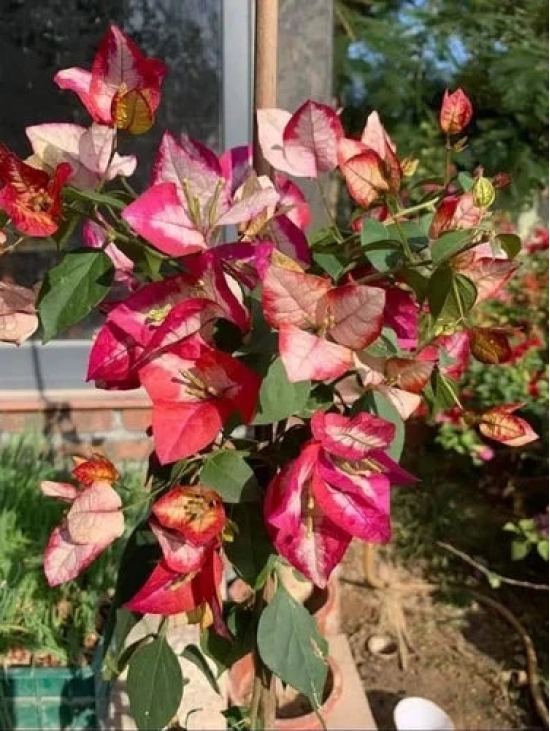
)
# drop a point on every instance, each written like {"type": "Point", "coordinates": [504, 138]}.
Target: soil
{"type": "Point", "coordinates": [462, 655]}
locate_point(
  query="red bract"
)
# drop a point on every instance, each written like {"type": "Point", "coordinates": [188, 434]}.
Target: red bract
{"type": "Point", "coordinates": [502, 426]}
{"type": "Point", "coordinates": [489, 273]}
{"type": "Point", "coordinates": [97, 468]}
{"type": "Point", "coordinates": [370, 166]}
{"type": "Point", "coordinates": [87, 151]}
{"type": "Point", "coordinates": [159, 316]}
{"type": "Point", "coordinates": [193, 397]}
{"type": "Point", "coordinates": [456, 112]}
{"type": "Point", "coordinates": [31, 197]}
{"type": "Point", "coordinates": [338, 488]}
{"type": "Point", "coordinates": [455, 212]}
{"type": "Point", "coordinates": [194, 512]}
{"type": "Point", "coordinates": [190, 199]}
{"type": "Point", "coordinates": [320, 326]}
{"type": "Point", "coordinates": [303, 144]}
{"type": "Point", "coordinates": [123, 88]}
{"type": "Point", "coordinates": [169, 592]}
{"type": "Point", "coordinates": [490, 345]}
{"type": "Point", "coordinates": [93, 522]}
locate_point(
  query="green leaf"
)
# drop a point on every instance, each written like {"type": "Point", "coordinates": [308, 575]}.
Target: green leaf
{"type": "Point", "coordinates": [444, 391]}
{"type": "Point", "coordinates": [377, 404]}
{"type": "Point", "coordinates": [451, 296]}
{"type": "Point", "coordinates": [93, 197]}
{"type": "Point", "coordinates": [511, 244]}
{"type": "Point", "coordinates": [320, 399]}
{"type": "Point", "coordinates": [417, 282]}
{"type": "Point", "coordinates": [231, 476]}
{"type": "Point", "coordinates": [250, 550]}
{"type": "Point", "coordinates": [493, 579]}
{"type": "Point", "coordinates": [380, 250]}
{"type": "Point", "coordinates": [450, 244]}
{"type": "Point", "coordinates": [73, 288]}
{"type": "Point", "coordinates": [386, 345]}
{"type": "Point", "coordinates": [119, 624]}
{"type": "Point", "coordinates": [465, 181]}
{"type": "Point", "coordinates": [290, 645]}
{"type": "Point", "coordinates": [414, 233]}
{"type": "Point", "coordinates": [224, 652]}
{"type": "Point", "coordinates": [333, 264]}
{"type": "Point", "coordinates": [542, 549]}
{"type": "Point", "coordinates": [193, 654]}
{"type": "Point", "coordinates": [372, 232]}
{"type": "Point", "coordinates": [279, 398]}
{"type": "Point", "coordinates": [155, 685]}
{"type": "Point", "coordinates": [520, 549]}
{"type": "Point", "coordinates": [238, 718]}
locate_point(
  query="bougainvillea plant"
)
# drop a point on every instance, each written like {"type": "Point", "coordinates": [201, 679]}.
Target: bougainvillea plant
{"type": "Point", "coordinates": [281, 362]}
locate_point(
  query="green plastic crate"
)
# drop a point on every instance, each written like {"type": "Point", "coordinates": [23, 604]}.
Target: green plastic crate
{"type": "Point", "coordinates": [48, 698]}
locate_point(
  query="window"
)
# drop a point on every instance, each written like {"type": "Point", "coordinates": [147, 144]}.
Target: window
{"type": "Point", "coordinates": [198, 98]}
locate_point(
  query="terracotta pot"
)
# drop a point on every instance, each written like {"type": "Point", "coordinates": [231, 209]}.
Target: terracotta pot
{"type": "Point", "coordinates": [293, 709]}
{"type": "Point", "coordinates": [324, 605]}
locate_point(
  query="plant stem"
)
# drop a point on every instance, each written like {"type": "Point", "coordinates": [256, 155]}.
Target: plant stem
{"type": "Point", "coordinates": [413, 209]}
{"type": "Point", "coordinates": [334, 227]}
{"type": "Point", "coordinates": [448, 162]}
{"type": "Point", "coordinates": [396, 214]}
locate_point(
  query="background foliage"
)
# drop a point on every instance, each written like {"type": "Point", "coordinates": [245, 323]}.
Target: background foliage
{"type": "Point", "coordinates": [398, 56]}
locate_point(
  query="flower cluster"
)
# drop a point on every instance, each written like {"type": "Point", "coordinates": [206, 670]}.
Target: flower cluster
{"type": "Point", "coordinates": [229, 311]}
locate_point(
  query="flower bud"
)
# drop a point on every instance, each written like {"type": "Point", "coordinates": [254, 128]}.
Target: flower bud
{"type": "Point", "coordinates": [502, 180]}
{"type": "Point", "coordinates": [409, 166]}
{"type": "Point", "coordinates": [456, 112]}
{"type": "Point", "coordinates": [483, 192]}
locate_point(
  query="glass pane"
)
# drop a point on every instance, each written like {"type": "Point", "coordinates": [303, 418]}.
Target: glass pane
{"type": "Point", "coordinates": [40, 37]}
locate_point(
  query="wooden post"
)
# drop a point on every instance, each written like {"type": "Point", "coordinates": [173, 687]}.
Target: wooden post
{"type": "Point", "coordinates": [265, 96]}
{"type": "Point", "coordinates": [265, 70]}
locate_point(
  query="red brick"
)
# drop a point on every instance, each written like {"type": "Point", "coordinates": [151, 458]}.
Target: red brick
{"type": "Point", "coordinates": [21, 422]}
{"type": "Point", "coordinates": [133, 450]}
{"type": "Point", "coordinates": [90, 420]}
{"type": "Point", "coordinates": [136, 419]}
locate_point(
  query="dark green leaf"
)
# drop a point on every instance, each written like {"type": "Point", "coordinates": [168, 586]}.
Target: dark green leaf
{"type": "Point", "coordinates": [155, 685]}
{"type": "Point", "coordinates": [73, 288]}
{"type": "Point", "coordinates": [279, 398]}
{"type": "Point", "coordinates": [444, 391]}
{"type": "Point", "coordinates": [140, 556]}
{"type": "Point", "coordinates": [193, 654]}
{"type": "Point", "coordinates": [414, 233]}
{"type": "Point", "coordinates": [451, 296]}
{"type": "Point", "coordinates": [450, 244]}
{"type": "Point", "coordinates": [238, 718]}
{"type": "Point", "coordinates": [320, 399]}
{"type": "Point", "coordinates": [384, 256]}
{"type": "Point", "coordinates": [290, 645]}
{"type": "Point", "coordinates": [223, 652]}
{"type": "Point", "coordinates": [511, 244]}
{"type": "Point", "coordinates": [250, 550]}
{"type": "Point", "coordinates": [416, 281]}
{"type": "Point", "coordinates": [119, 623]}
{"type": "Point", "coordinates": [231, 476]}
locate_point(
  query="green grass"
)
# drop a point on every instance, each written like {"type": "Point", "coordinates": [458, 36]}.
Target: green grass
{"type": "Point", "coordinates": [29, 616]}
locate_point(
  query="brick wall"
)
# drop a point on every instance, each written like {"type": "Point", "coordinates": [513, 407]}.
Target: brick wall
{"type": "Point", "coordinates": [74, 422]}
